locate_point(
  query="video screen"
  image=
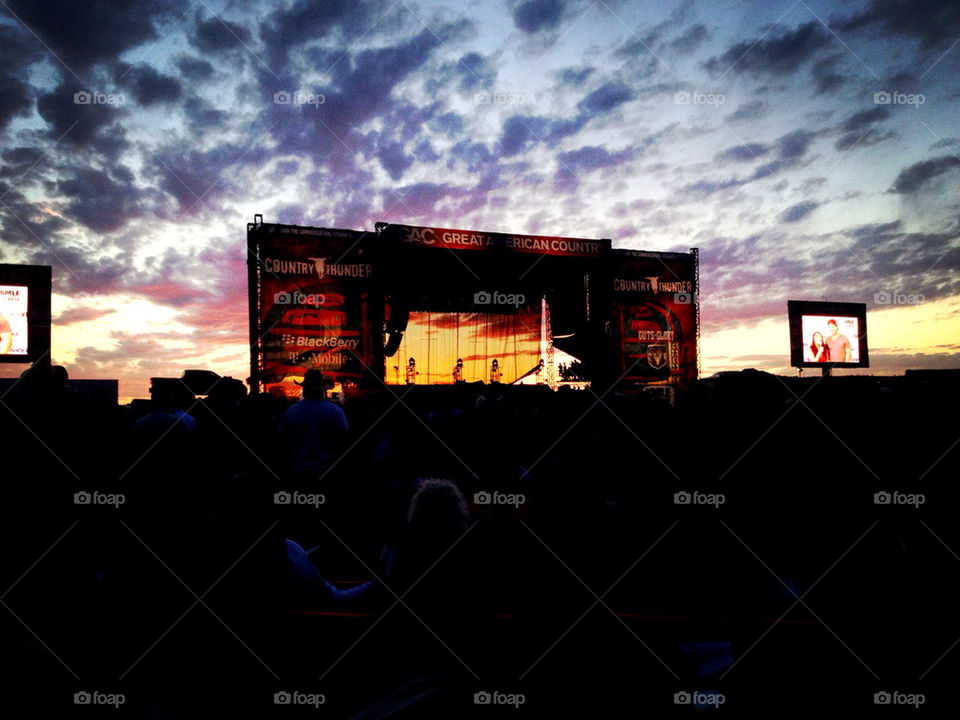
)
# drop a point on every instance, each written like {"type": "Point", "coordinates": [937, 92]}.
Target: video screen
{"type": "Point", "coordinates": [14, 328]}
{"type": "Point", "coordinates": [828, 334]}
{"type": "Point", "coordinates": [24, 312]}
{"type": "Point", "coordinates": [828, 339]}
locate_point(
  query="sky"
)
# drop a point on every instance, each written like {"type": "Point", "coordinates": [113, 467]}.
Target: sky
{"type": "Point", "coordinates": [810, 150]}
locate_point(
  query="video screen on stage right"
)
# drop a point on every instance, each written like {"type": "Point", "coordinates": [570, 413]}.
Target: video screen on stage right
{"type": "Point", "coordinates": [828, 334]}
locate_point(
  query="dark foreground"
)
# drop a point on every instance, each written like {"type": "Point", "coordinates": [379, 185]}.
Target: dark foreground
{"type": "Point", "coordinates": [767, 544]}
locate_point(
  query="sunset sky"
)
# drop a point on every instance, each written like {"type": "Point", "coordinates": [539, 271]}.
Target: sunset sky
{"type": "Point", "coordinates": [811, 150]}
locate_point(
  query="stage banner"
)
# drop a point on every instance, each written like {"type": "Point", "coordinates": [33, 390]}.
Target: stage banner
{"type": "Point", "coordinates": [475, 240]}
{"type": "Point", "coordinates": [653, 317]}
{"type": "Point", "coordinates": [315, 306]}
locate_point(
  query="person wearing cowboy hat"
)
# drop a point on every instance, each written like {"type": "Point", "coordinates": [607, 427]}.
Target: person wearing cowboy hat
{"type": "Point", "coordinates": [312, 431]}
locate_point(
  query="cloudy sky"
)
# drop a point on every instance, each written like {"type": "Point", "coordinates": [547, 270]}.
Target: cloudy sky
{"type": "Point", "coordinates": [811, 150]}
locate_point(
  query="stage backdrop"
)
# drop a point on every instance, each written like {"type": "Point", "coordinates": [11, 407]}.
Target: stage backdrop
{"type": "Point", "coordinates": [437, 340]}
{"type": "Point", "coordinates": [316, 306]}
{"type": "Point", "coordinates": [653, 316]}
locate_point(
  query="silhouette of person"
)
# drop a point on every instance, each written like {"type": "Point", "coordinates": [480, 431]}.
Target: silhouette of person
{"type": "Point", "coordinates": [312, 430]}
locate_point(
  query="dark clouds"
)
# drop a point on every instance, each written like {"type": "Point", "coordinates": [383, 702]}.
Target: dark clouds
{"type": "Point", "coordinates": [782, 54]}
{"type": "Point", "coordinates": [194, 68]}
{"type": "Point", "coordinates": [100, 201]}
{"type": "Point", "coordinates": [743, 153]}
{"type": "Point", "coordinates": [864, 118]}
{"type": "Point", "coordinates": [16, 52]}
{"type": "Point", "coordinates": [198, 178]}
{"type": "Point", "coordinates": [932, 22]}
{"type": "Point", "coordinates": [825, 75]}
{"type": "Point", "coordinates": [692, 38]}
{"type": "Point", "coordinates": [532, 16]}
{"type": "Point", "coordinates": [475, 72]}
{"type": "Point", "coordinates": [147, 85]}
{"type": "Point", "coordinates": [216, 35]}
{"type": "Point", "coordinates": [748, 111]}
{"type": "Point", "coordinates": [290, 26]}
{"type": "Point", "coordinates": [796, 213]}
{"type": "Point", "coordinates": [87, 125]}
{"type": "Point", "coordinates": [911, 179]}
{"type": "Point", "coordinates": [85, 33]}
{"type": "Point", "coordinates": [576, 163]}
{"type": "Point", "coordinates": [523, 131]}
{"type": "Point", "coordinates": [858, 129]}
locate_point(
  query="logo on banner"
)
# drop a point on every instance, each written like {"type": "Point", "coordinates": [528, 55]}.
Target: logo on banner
{"type": "Point", "coordinates": [420, 235]}
{"type": "Point", "coordinates": [320, 265]}
{"type": "Point", "coordinates": [657, 356]}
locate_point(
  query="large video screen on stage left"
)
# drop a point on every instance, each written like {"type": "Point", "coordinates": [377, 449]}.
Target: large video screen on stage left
{"type": "Point", "coordinates": [24, 313]}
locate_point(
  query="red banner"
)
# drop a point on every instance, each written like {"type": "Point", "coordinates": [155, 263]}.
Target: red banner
{"type": "Point", "coordinates": [474, 240]}
{"type": "Point", "coordinates": [654, 315]}
{"type": "Point", "coordinates": [316, 305]}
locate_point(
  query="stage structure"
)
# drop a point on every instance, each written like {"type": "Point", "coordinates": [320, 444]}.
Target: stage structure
{"type": "Point", "coordinates": [434, 306]}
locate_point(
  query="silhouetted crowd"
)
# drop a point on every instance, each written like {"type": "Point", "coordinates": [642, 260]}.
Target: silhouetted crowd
{"type": "Point", "coordinates": [404, 551]}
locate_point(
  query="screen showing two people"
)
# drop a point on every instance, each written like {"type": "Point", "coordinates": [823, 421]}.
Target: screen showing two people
{"type": "Point", "coordinates": [13, 320]}
{"type": "Point", "coordinates": [830, 339]}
